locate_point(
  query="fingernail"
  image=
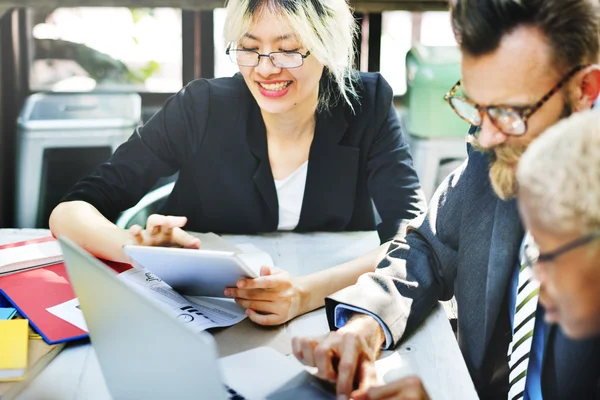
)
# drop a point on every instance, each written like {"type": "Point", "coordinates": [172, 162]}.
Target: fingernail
{"type": "Point", "coordinates": [227, 292]}
{"type": "Point", "coordinates": [241, 284]}
{"type": "Point", "coordinates": [342, 397]}
{"type": "Point", "coordinates": [248, 312]}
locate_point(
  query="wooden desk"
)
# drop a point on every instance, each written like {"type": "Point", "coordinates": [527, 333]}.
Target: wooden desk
{"type": "Point", "coordinates": [432, 352]}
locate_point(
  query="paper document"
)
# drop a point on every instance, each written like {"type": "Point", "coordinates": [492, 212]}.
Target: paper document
{"type": "Point", "coordinates": [200, 313]}
{"type": "Point", "coordinates": [30, 255]}
{"type": "Point", "coordinates": [70, 312]}
{"type": "Point", "coordinates": [203, 313]}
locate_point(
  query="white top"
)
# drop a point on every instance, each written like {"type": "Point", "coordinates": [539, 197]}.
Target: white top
{"type": "Point", "coordinates": [290, 193]}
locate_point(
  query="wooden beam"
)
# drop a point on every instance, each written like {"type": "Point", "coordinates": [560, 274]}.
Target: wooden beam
{"type": "Point", "coordinates": [375, 28]}
{"type": "Point", "coordinates": [378, 6]}
{"type": "Point", "coordinates": [358, 5]}
{"type": "Point", "coordinates": [13, 90]}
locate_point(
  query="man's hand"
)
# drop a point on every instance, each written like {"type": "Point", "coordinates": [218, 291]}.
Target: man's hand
{"type": "Point", "coordinates": [346, 356]}
{"type": "Point", "coordinates": [163, 230]}
{"type": "Point", "coordinates": [410, 388]}
{"type": "Point", "coordinates": [271, 299]}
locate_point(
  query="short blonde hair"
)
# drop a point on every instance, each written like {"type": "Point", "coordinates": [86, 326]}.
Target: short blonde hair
{"type": "Point", "coordinates": [560, 174]}
{"type": "Point", "coordinates": [326, 28]}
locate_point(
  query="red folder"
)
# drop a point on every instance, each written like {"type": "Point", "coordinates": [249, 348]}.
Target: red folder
{"type": "Point", "coordinates": [32, 291]}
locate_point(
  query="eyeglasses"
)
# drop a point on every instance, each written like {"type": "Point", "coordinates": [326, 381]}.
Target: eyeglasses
{"type": "Point", "coordinates": [280, 59]}
{"type": "Point", "coordinates": [532, 255]}
{"type": "Point", "coordinates": [509, 120]}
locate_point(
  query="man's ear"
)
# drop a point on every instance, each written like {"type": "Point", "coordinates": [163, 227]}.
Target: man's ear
{"type": "Point", "coordinates": [588, 88]}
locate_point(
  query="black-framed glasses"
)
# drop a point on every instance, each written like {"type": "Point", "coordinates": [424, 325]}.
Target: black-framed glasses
{"type": "Point", "coordinates": [280, 59]}
{"type": "Point", "coordinates": [509, 120]}
{"type": "Point", "coordinates": [532, 254]}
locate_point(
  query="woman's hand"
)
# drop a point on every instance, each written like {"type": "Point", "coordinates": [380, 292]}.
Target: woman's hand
{"type": "Point", "coordinates": [271, 299]}
{"type": "Point", "coordinates": [164, 230]}
{"type": "Point", "coordinates": [410, 388]}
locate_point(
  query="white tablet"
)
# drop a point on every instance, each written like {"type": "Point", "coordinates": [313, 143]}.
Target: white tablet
{"type": "Point", "coordinates": [191, 271]}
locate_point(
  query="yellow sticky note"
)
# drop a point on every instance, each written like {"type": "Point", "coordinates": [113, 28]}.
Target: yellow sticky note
{"type": "Point", "coordinates": [14, 336]}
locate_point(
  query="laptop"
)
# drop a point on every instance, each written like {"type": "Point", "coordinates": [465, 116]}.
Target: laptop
{"type": "Point", "coordinates": [144, 352]}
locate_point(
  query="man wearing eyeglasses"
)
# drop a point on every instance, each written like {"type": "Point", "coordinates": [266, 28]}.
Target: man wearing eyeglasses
{"type": "Point", "coordinates": [526, 64]}
{"type": "Point", "coordinates": [562, 212]}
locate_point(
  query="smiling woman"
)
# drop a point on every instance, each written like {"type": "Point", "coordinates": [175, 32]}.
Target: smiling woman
{"type": "Point", "coordinates": [327, 28]}
{"type": "Point", "coordinates": [296, 141]}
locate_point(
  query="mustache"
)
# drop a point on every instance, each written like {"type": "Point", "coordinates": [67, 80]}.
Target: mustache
{"type": "Point", "coordinates": [503, 160]}
{"type": "Point", "coordinates": [509, 154]}
{"type": "Point", "coordinates": [504, 154]}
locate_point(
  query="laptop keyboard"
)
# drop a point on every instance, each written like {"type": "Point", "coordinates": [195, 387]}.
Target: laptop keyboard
{"type": "Point", "coordinates": [233, 395]}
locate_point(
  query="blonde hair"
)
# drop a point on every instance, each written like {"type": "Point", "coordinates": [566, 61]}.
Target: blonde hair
{"type": "Point", "coordinates": [560, 174]}
{"type": "Point", "coordinates": [326, 28]}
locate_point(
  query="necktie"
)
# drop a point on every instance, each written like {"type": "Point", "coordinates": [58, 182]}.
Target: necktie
{"type": "Point", "coordinates": [523, 324]}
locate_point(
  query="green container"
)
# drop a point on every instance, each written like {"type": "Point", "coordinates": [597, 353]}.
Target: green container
{"type": "Point", "coordinates": [430, 74]}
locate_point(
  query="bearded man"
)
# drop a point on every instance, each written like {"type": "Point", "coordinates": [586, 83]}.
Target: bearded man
{"type": "Point", "coordinates": [525, 65]}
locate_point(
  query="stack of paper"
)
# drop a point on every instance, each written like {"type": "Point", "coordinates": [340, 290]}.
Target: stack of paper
{"type": "Point", "coordinates": [29, 254]}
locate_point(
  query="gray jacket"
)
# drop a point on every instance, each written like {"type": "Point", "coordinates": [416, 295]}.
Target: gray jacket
{"type": "Point", "coordinates": [466, 245]}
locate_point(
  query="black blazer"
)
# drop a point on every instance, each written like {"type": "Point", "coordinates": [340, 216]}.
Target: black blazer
{"type": "Point", "coordinates": [467, 245]}
{"type": "Point", "coordinates": [213, 134]}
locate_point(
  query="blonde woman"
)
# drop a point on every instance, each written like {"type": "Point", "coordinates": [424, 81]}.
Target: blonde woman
{"type": "Point", "coordinates": [296, 141]}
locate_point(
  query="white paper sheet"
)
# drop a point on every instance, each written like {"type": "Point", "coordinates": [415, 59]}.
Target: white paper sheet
{"type": "Point", "coordinates": [202, 314]}
{"type": "Point", "coordinates": [29, 255]}
{"type": "Point", "coordinates": [70, 312]}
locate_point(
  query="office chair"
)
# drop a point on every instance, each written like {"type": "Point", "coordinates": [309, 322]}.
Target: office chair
{"type": "Point", "coordinates": [148, 205]}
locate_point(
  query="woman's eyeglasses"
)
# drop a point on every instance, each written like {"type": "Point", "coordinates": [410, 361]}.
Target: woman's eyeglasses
{"type": "Point", "coordinates": [280, 59]}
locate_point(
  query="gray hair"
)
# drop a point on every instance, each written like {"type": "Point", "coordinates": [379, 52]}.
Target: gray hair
{"type": "Point", "coordinates": [560, 174]}
{"type": "Point", "coordinates": [326, 28]}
